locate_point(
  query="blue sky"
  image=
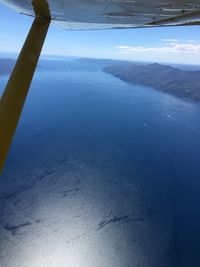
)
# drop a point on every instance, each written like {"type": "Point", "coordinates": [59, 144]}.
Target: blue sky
{"type": "Point", "coordinates": [166, 44]}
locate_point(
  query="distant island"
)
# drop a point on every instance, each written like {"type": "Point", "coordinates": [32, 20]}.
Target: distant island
{"type": "Point", "coordinates": [184, 84]}
{"type": "Point", "coordinates": [104, 61]}
{"type": "Point", "coordinates": [6, 65]}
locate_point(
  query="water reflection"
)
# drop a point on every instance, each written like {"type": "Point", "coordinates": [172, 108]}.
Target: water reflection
{"type": "Point", "coordinates": [101, 174]}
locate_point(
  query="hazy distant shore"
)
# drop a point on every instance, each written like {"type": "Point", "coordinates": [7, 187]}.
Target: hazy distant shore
{"type": "Point", "coordinates": [6, 65]}
{"type": "Point", "coordinates": [182, 81]}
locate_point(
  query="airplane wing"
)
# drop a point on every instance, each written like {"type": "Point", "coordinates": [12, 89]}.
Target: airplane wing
{"type": "Point", "coordinates": [78, 15]}
{"type": "Point", "coordinates": [112, 14]}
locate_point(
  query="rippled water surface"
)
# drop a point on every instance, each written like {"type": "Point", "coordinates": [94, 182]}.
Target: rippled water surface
{"type": "Point", "coordinates": [101, 173]}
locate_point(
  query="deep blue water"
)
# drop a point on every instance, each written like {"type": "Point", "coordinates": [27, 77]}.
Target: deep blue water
{"type": "Point", "coordinates": [142, 145]}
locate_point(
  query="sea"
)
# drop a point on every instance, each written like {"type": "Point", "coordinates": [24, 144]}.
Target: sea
{"type": "Point", "coordinates": [101, 173]}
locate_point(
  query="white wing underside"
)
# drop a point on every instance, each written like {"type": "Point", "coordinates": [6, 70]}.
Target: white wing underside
{"type": "Point", "coordinates": [109, 14]}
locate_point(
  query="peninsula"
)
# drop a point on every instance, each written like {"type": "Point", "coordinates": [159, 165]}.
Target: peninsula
{"type": "Point", "coordinates": [184, 84]}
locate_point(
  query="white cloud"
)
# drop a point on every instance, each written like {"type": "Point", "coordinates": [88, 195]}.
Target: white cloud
{"type": "Point", "coordinates": [170, 40]}
{"type": "Point", "coordinates": [123, 47]}
{"type": "Point", "coordinates": [172, 47]}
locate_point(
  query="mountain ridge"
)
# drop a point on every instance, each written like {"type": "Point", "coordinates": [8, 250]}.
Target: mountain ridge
{"type": "Point", "coordinates": [184, 84]}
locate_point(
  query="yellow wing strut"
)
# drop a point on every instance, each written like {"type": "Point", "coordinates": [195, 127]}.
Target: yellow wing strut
{"type": "Point", "coordinates": [14, 95]}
